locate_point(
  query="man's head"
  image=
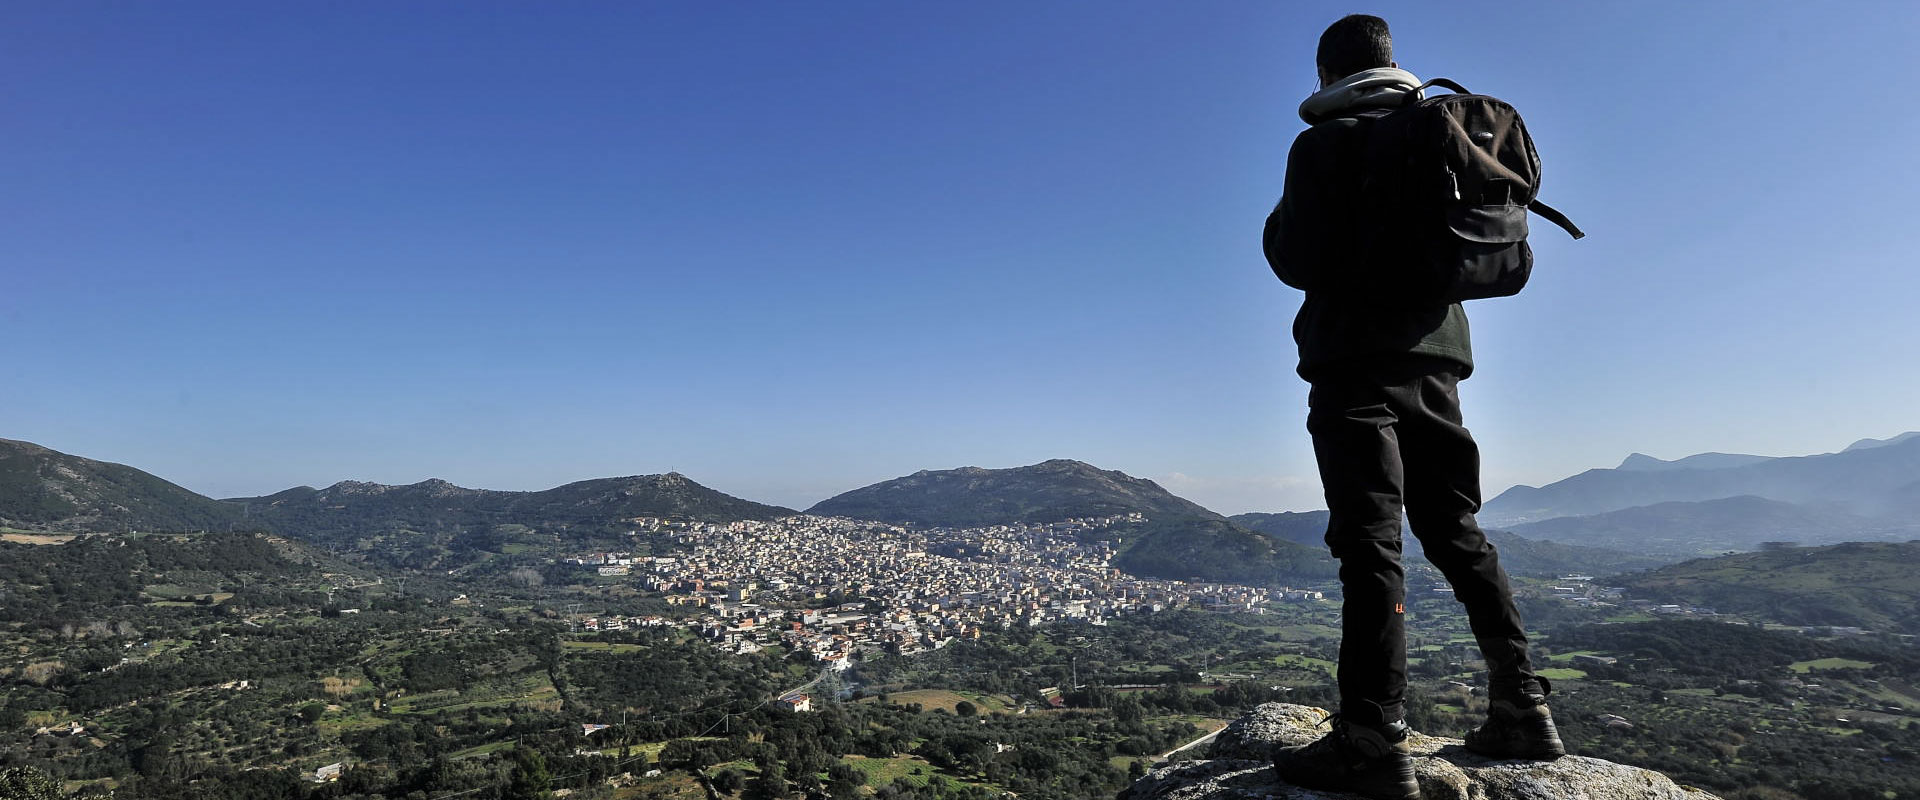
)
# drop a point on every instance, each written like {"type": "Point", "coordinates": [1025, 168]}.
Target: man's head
{"type": "Point", "coordinates": [1355, 43]}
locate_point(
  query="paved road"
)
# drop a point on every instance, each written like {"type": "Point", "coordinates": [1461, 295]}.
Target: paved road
{"type": "Point", "coordinates": [1169, 754]}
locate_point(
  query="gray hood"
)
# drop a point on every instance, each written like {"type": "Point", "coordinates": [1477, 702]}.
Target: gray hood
{"type": "Point", "coordinates": [1385, 87]}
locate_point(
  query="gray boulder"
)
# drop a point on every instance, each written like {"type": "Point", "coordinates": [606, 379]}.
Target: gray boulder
{"type": "Point", "coordinates": [1239, 766]}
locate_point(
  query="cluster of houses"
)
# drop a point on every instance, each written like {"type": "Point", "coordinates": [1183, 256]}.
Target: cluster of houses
{"type": "Point", "coordinates": [765, 584]}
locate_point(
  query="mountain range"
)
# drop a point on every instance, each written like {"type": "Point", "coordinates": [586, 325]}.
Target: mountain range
{"type": "Point", "coordinates": [1712, 503]}
{"type": "Point", "coordinates": [355, 508]}
{"type": "Point", "coordinates": [1869, 479]}
{"type": "Point", "coordinates": [437, 524]}
{"type": "Point", "coordinates": [1713, 527]}
{"type": "Point", "coordinates": [1642, 513]}
{"type": "Point", "coordinates": [1519, 555]}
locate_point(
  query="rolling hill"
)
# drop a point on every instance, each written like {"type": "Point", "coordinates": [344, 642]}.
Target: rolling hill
{"type": "Point", "coordinates": [1050, 491]}
{"type": "Point", "coordinates": [1870, 585]}
{"type": "Point", "coordinates": [1180, 540]}
{"type": "Point", "coordinates": [355, 508]}
{"type": "Point", "coordinates": [43, 489]}
{"type": "Point", "coordinates": [1713, 527]}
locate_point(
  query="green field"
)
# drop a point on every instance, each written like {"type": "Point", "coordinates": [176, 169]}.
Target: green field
{"type": "Point", "coordinates": [881, 771]}
{"type": "Point", "coordinates": [1804, 667]}
{"type": "Point", "coordinates": [531, 687]}
{"type": "Point", "coordinates": [1308, 663]}
{"type": "Point", "coordinates": [931, 699]}
{"type": "Point", "coordinates": [604, 647]}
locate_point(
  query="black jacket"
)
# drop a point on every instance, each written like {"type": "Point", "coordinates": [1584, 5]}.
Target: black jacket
{"type": "Point", "coordinates": [1312, 240]}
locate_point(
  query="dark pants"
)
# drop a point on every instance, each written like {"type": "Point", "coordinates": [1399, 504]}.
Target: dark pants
{"type": "Point", "coordinates": [1384, 439]}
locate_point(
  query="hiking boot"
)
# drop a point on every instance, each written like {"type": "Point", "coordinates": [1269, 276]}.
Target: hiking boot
{"type": "Point", "coordinates": [1367, 760]}
{"type": "Point", "coordinates": [1519, 726]}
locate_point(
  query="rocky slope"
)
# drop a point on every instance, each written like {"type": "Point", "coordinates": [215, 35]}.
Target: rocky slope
{"type": "Point", "coordinates": [1239, 765]}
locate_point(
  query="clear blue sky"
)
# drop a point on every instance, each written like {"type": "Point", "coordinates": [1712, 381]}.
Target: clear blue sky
{"type": "Point", "coordinates": [790, 249]}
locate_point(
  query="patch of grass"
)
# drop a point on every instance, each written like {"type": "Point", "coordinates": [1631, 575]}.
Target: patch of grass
{"type": "Point", "coordinates": [1562, 673]}
{"type": "Point", "coordinates": [931, 699]}
{"type": "Point", "coordinates": [527, 688]}
{"type": "Point", "coordinates": [669, 785]}
{"type": "Point", "coordinates": [882, 771]}
{"type": "Point", "coordinates": [336, 723]}
{"type": "Point", "coordinates": [604, 647]}
{"type": "Point", "coordinates": [1804, 667]}
{"type": "Point", "coordinates": [1308, 663]}
{"type": "Point", "coordinates": [473, 752]}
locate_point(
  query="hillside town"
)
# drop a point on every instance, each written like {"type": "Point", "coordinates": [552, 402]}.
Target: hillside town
{"type": "Point", "coordinates": [901, 590]}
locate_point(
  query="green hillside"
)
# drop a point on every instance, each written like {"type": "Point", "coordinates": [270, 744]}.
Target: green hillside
{"type": "Point", "coordinates": [1180, 540]}
{"type": "Point", "coordinates": [44, 489]}
{"type": "Point", "coordinates": [1865, 584]}
{"type": "Point", "coordinates": [437, 525]}
{"type": "Point", "coordinates": [972, 497]}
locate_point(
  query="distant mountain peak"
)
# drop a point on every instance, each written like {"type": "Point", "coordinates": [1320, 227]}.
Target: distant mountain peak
{"type": "Point", "coordinates": [1868, 479]}
{"type": "Point", "coordinates": [1641, 462]}
{"type": "Point", "coordinates": [1867, 444]}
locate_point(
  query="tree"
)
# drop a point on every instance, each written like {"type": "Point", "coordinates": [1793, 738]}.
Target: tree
{"type": "Point", "coordinates": [771, 784]}
{"type": "Point", "coordinates": [965, 709]}
{"type": "Point", "coordinates": [844, 779]}
{"type": "Point", "coordinates": [727, 781]}
{"type": "Point", "coordinates": [27, 783]}
{"type": "Point", "coordinates": [530, 776]}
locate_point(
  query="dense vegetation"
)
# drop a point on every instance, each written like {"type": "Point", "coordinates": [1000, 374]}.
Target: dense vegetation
{"type": "Point", "coordinates": [347, 512]}
{"type": "Point", "coordinates": [42, 489]}
{"type": "Point", "coordinates": [971, 497]}
{"type": "Point", "coordinates": [1869, 585]}
{"type": "Point", "coordinates": [111, 579]}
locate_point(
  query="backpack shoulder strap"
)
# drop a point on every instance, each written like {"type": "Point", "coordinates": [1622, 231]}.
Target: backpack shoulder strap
{"type": "Point", "coordinates": [1554, 216]}
{"type": "Point", "coordinates": [1420, 93]}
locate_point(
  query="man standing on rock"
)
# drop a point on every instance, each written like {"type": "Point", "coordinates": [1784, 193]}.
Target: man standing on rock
{"type": "Point", "coordinates": [1384, 412]}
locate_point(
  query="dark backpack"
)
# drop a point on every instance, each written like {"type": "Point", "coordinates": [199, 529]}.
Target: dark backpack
{"type": "Point", "coordinates": [1448, 181]}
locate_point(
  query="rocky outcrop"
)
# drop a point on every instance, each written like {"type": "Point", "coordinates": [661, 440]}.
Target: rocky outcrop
{"type": "Point", "coordinates": [1239, 766]}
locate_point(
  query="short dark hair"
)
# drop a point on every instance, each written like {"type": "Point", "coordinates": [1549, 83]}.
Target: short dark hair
{"type": "Point", "coordinates": [1355, 43]}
